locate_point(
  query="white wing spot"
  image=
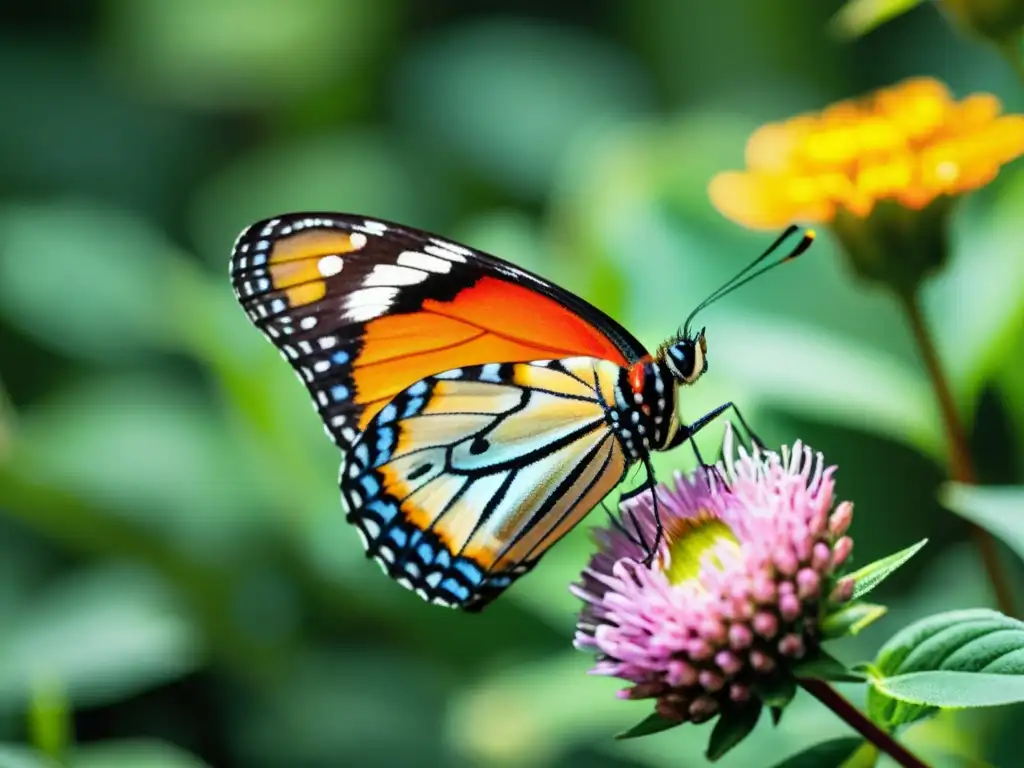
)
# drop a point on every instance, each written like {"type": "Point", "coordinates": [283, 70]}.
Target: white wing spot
{"type": "Point", "coordinates": [389, 274]}
{"type": "Point", "coordinates": [362, 538]}
{"type": "Point", "coordinates": [368, 303]}
{"type": "Point", "coordinates": [443, 253]}
{"type": "Point", "coordinates": [358, 240]}
{"type": "Point", "coordinates": [330, 265]}
{"type": "Point", "coordinates": [453, 247]}
{"type": "Point", "coordinates": [418, 260]}
{"type": "Point", "coordinates": [490, 372]}
{"type": "Point", "coordinates": [373, 227]}
{"type": "Point", "coordinates": [308, 322]}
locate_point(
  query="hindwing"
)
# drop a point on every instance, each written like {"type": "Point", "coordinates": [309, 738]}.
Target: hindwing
{"type": "Point", "coordinates": [463, 481]}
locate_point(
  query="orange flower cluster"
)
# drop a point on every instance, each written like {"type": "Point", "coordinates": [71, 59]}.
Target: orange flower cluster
{"type": "Point", "coordinates": [911, 143]}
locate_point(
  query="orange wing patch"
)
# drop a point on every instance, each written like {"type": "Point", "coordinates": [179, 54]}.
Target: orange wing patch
{"type": "Point", "coordinates": [490, 322]}
{"type": "Point", "coordinates": [532, 318]}
{"type": "Point", "coordinates": [300, 264]}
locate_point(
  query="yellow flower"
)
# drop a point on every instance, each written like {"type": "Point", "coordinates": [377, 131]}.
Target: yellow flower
{"type": "Point", "coordinates": [911, 144]}
{"type": "Point", "coordinates": [881, 171]}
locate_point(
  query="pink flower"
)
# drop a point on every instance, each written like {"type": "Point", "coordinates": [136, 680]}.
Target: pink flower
{"type": "Point", "coordinates": [744, 573]}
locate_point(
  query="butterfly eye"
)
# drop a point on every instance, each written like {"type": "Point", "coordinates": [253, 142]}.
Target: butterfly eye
{"type": "Point", "coordinates": [681, 358]}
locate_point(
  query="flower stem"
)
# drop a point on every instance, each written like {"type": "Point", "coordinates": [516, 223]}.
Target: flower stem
{"type": "Point", "coordinates": [857, 720]}
{"type": "Point", "coordinates": [961, 466]}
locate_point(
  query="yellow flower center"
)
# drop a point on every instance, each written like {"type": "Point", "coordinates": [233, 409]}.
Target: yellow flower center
{"type": "Point", "coordinates": [694, 541]}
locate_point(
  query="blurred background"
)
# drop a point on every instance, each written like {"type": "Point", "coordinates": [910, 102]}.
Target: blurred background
{"type": "Point", "coordinates": [177, 585]}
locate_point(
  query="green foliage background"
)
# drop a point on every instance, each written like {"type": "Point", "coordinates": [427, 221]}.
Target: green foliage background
{"type": "Point", "coordinates": [177, 585]}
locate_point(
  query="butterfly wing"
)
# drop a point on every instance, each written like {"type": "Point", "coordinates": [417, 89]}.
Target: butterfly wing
{"type": "Point", "coordinates": [362, 309]}
{"type": "Point", "coordinates": [466, 478]}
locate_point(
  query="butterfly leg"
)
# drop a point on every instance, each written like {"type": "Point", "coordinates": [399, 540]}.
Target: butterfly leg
{"type": "Point", "coordinates": [638, 537]}
{"type": "Point", "coordinates": [688, 432]}
{"type": "Point", "coordinates": [634, 536]}
{"type": "Point", "coordinates": [659, 529]}
{"type": "Point", "coordinates": [752, 437]}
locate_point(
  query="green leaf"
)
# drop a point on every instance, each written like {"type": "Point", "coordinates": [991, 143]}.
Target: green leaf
{"type": "Point", "coordinates": [301, 174]}
{"type": "Point", "coordinates": [824, 666]}
{"type": "Point", "coordinates": [858, 17]}
{"type": "Point", "coordinates": [241, 53]}
{"type": "Point", "coordinates": [976, 339]}
{"type": "Point", "coordinates": [977, 641]}
{"type": "Point", "coordinates": [653, 723]}
{"type": "Point", "coordinates": [138, 753]}
{"type": "Point", "coordinates": [146, 449]}
{"type": "Point", "coordinates": [732, 727]}
{"type": "Point", "coordinates": [997, 510]}
{"type": "Point", "coordinates": [851, 619]}
{"type": "Point", "coordinates": [873, 574]}
{"type": "Point", "coordinates": [777, 692]}
{"type": "Point", "coordinates": [844, 390]}
{"type": "Point", "coordinates": [828, 754]}
{"type": "Point", "coordinates": [283, 724]}
{"type": "Point", "coordinates": [806, 723]}
{"type": "Point", "coordinates": [18, 756]}
{"type": "Point", "coordinates": [103, 634]}
{"type": "Point", "coordinates": [84, 280]}
{"type": "Point", "coordinates": [508, 99]}
{"type": "Point", "coordinates": [955, 690]}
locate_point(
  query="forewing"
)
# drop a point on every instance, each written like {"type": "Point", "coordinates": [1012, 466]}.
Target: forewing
{"type": "Point", "coordinates": [362, 309]}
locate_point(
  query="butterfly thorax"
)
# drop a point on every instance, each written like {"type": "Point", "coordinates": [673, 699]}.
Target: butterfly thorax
{"type": "Point", "coordinates": [644, 417]}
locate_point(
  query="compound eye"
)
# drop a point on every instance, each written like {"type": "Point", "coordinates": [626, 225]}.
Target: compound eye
{"type": "Point", "coordinates": [698, 363]}
{"type": "Point", "coordinates": [681, 359]}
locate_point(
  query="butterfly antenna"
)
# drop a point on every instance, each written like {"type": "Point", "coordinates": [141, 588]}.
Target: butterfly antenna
{"type": "Point", "coordinates": [751, 271]}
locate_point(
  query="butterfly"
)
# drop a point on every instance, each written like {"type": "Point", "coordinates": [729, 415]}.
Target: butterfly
{"type": "Point", "coordinates": [481, 410]}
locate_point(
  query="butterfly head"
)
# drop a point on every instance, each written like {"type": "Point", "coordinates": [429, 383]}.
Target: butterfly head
{"type": "Point", "coordinates": [686, 356]}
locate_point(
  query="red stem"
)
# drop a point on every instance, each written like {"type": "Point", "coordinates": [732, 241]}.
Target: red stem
{"type": "Point", "coordinates": [857, 720]}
